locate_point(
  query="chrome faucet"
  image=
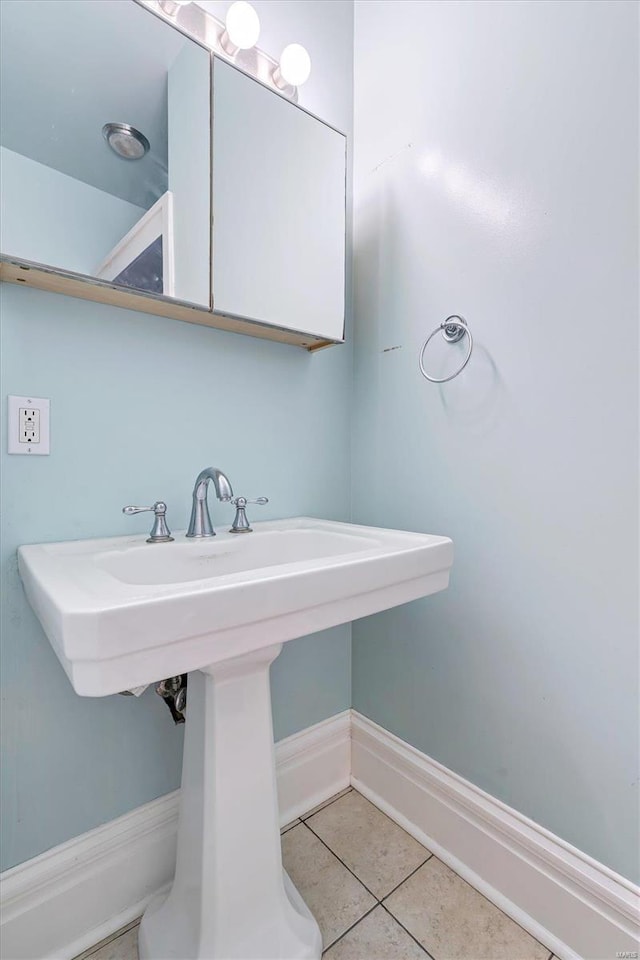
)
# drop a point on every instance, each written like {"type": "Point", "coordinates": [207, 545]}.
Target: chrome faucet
{"type": "Point", "coordinates": [200, 523]}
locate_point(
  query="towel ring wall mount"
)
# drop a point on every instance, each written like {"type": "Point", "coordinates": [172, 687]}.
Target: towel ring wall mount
{"type": "Point", "coordinates": [453, 329]}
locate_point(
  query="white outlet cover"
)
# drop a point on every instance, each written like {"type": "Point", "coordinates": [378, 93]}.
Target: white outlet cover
{"type": "Point", "coordinates": [14, 405]}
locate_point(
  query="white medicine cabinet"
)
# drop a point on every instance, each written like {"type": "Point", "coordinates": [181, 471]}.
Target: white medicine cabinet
{"type": "Point", "coordinates": [278, 209]}
{"type": "Point", "coordinates": [146, 172]}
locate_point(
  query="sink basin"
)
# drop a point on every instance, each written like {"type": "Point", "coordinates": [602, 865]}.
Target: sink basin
{"type": "Point", "coordinates": [186, 562]}
{"type": "Point", "coordinates": [121, 613]}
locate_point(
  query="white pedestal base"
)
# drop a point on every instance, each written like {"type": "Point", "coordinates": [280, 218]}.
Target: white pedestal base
{"type": "Point", "coordinates": [231, 899]}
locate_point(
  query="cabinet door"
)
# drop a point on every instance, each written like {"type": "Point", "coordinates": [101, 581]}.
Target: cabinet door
{"type": "Point", "coordinates": [278, 209]}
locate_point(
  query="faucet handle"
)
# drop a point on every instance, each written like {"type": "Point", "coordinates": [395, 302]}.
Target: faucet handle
{"type": "Point", "coordinates": [240, 523]}
{"type": "Point", "coordinates": [160, 532]}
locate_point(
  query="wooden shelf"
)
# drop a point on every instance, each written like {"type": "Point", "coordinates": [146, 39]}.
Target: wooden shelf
{"type": "Point", "coordinates": [29, 274]}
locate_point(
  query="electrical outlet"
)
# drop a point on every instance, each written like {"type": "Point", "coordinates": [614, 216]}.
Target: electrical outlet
{"type": "Point", "coordinates": [28, 425]}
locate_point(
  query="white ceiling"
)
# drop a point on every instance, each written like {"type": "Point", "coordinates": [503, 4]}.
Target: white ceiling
{"type": "Point", "coordinates": [70, 66]}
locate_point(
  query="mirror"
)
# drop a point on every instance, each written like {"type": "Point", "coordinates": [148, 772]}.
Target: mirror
{"type": "Point", "coordinates": [140, 217]}
{"type": "Point", "coordinates": [134, 161]}
{"type": "Point", "coordinates": [278, 209]}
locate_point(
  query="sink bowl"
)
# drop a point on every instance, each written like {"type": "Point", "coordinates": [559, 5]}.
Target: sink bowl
{"type": "Point", "coordinates": [120, 612]}
{"type": "Point", "coordinates": [184, 563]}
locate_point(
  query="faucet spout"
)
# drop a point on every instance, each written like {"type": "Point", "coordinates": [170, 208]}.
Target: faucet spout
{"type": "Point", "coordinates": [200, 523]}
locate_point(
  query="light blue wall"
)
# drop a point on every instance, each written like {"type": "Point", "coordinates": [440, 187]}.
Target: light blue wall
{"type": "Point", "coordinates": [496, 176]}
{"type": "Point", "coordinates": [123, 389]}
{"type": "Point", "coordinates": [79, 224]}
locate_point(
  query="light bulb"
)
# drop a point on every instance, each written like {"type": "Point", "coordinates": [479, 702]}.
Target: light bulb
{"type": "Point", "coordinates": [171, 7]}
{"type": "Point", "coordinates": [242, 28]}
{"type": "Point", "coordinates": [294, 67]}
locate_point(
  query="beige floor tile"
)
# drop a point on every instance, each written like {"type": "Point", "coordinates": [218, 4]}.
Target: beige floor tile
{"type": "Point", "coordinates": [124, 947]}
{"type": "Point", "coordinates": [377, 937]}
{"type": "Point", "coordinates": [378, 851]}
{"type": "Point", "coordinates": [455, 922]}
{"type": "Point", "coordinates": [333, 895]}
{"type": "Point", "coordinates": [326, 803]}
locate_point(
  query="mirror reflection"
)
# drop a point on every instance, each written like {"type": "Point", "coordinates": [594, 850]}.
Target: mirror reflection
{"type": "Point", "coordinates": [104, 145]}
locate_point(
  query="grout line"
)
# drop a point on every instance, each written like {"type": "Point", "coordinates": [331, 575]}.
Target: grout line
{"type": "Point", "coordinates": [334, 854]}
{"type": "Point", "coordinates": [289, 826]}
{"type": "Point", "coordinates": [327, 803]}
{"type": "Point", "coordinates": [393, 917]}
{"type": "Point", "coordinates": [349, 929]}
{"type": "Point", "coordinates": [90, 951]}
{"type": "Point", "coordinates": [387, 895]}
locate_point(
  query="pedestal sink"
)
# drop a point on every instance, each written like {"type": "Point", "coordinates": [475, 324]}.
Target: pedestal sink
{"type": "Point", "coordinates": [120, 612]}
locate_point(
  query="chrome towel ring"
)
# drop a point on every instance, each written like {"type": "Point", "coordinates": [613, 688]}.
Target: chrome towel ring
{"type": "Point", "coordinates": [454, 328]}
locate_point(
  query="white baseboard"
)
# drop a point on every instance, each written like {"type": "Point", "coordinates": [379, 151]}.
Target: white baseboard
{"type": "Point", "coordinates": [313, 765]}
{"type": "Point", "coordinates": [578, 908]}
{"type": "Point", "coordinates": [60, 903]}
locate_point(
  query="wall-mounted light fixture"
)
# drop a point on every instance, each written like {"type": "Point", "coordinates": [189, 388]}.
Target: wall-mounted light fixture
{"type": "Point", "coordinates": [125, 140]}
{"type": "Point", "coordinates": [235, 38]}
{"type": "Point", "coordinates": [242, 28]}
{"type": "Point", "coordinates": [294, 67]}
{"type": "Point", "coordinates": [172, 7]}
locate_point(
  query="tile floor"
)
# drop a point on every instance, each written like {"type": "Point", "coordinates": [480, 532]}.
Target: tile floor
{"type": "Point", "coordinates": [378, 894]}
